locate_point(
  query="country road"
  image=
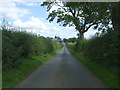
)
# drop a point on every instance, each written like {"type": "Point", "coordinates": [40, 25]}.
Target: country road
{"type": "Point", "coordinates": [61, 71]}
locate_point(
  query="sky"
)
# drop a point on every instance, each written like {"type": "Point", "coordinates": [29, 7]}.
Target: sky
{"type": "Point", "coordinates": [28, 14]}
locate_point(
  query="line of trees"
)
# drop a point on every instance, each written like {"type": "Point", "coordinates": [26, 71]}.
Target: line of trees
{"type": "Point", "coordinates": [71, 40]}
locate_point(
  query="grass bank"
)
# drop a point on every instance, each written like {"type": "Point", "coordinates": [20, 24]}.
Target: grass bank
{"type": "Point", "coordinates": [109, 77]}
{"type": "Point", "coordinates": [12, 76]}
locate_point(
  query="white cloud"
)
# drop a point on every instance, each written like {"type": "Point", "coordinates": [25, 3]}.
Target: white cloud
{"type": "Point", "coordinates": [36, 25]}
{"type": "Point", "coordinates": [33, 24]}
{"type": "Point", "coordinates": [0, 23]}
{"type": "Point", "coordinates": [10, 10]}
{"type": "Point", "coordinates": [21, 1]}
{"type": "Point", "coordinates": [31, 4]}
{"type": "Point", "coordinates": [91, 32]}
{"type": "Point", "coordinates": [39, 26]}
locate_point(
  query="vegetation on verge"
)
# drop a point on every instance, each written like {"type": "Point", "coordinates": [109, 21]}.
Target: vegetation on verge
{"type": "Point", "coordinates": [22, 53]}
{"type": "Point", "coordinates": [100, 56]}
{"type": "Point", "coordinates": [101, 49]}
{"type": "Point", "coordinates": [105, 75]}
{"type": "Point", "coordinates": [12, 76]}
{"type": "Point", "coordinates": [16, 44]}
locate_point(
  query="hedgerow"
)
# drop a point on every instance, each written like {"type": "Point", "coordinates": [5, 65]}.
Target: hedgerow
{"type": "Point", "coordinates": [20, 44]}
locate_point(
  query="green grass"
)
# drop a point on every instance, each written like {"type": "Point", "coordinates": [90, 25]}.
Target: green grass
{"type": "Point", "coordinates": [12, 76]}
{"type": "Point", "coordinates": [105, 75]}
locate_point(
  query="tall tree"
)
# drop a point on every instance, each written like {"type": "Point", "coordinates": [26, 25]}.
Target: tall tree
{"type": "Point", "coordinates": [110, 10]}
{"type": "Point", "coordinates": [115, 15]}
{"type": "Point", "coordinates": [81, 15]}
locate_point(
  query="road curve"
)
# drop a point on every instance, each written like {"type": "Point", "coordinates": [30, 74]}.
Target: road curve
{"type": "Point", "coordinates": [61, 71]}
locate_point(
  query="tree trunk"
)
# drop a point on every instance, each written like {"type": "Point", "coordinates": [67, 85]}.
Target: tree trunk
{"type": "Point", "coordinates": [81, 35]}
{"type": "Point", "coordinates": [116, 16]}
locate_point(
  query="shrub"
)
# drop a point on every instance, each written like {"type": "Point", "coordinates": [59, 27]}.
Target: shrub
{"type": "Point", "coordinates": [20, 44]}
{"type": "Point", "coordinates": [104, 49]}
{"type": "Point", "coordinates": [81, 44]}
{"type": "Point", "coordinates": [101, 49]}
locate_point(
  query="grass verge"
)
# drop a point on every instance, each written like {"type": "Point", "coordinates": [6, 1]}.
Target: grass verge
{"type": "Point", "coordinates": [12, 76]}
{"type": "Point", "coordinates": [105, 75]}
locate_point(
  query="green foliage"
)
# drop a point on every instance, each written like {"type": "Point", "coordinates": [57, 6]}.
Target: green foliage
{"type": "Point", "coordinates": [27, 66]}
{"type": "Point", "coordinates": [104, 49]}
{"type": "Point", "coordinates": [100, 55]}
{"type": "Point", "coordinates": [81, 44]}
{"type": "Point", "coordinates": [108, 76]}
{"type": "Point", "coordinates": [16, 44]}
{"type": "Point", "coordinates": [72, 40]}
{"type": "Point", "coordinates": [82, 15]}
{"type": "Point", "coordinates": [56, 45]}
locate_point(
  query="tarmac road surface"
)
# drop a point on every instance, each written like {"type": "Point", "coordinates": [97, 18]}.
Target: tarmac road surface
{"type": "Point", "coordinates": [61, 71]}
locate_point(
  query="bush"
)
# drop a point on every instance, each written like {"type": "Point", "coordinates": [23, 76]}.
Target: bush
{"type": "Point", "coordinates": [81, 44]}
{"type": "Point", "coordinates": [104, 49]}
{"type": "Point", "coordinates": [17, 44]}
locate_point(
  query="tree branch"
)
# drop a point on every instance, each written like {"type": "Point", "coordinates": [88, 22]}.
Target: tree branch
{"type": "Point", "coordinates": [73, 13]}
{"type": "Point", "coordinates": [61, 6]}
{"type": "Point", "coordinates": [78, 12]}
{"type": "Point", "coordinates": [89, 27]}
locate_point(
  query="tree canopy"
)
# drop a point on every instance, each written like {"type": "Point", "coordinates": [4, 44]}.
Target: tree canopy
{"type": "Point", "coordinates": [82, 15]}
